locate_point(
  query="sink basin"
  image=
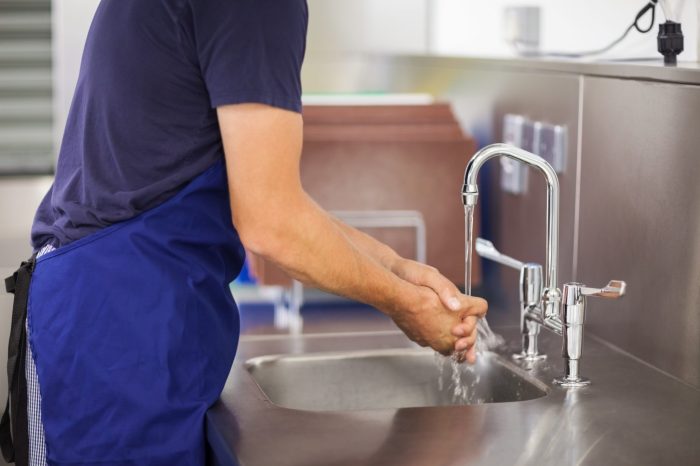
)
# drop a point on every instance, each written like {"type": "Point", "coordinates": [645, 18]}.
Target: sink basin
{"type": "Point", "coordinates": [387, 379]}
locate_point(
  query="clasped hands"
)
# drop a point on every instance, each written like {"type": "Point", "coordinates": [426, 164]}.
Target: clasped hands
{"type": "Point", "coordinates": [438, 314]}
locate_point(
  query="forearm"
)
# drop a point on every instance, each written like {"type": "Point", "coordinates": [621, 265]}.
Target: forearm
{"type": "Point", "coordinates": [314, 248]}
{"type": "Point", "coordinates": [370, 246]}
{"type": "Point", "coordinates": [278, 221]}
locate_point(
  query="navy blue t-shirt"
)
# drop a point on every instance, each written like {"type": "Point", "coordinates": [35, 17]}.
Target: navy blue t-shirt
{"type": "Point", "coordinates": [143, 118]}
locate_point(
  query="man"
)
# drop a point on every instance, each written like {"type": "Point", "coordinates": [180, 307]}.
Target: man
{"type": "Point", "coordinates": [182, 146]}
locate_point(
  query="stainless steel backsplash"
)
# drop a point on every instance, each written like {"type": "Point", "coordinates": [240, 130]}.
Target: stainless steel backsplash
{"type": "Point", "coordinates": [630, 206]}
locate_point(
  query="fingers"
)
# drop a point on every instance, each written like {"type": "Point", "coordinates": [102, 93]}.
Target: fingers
{"type": "Point", "coordinates": [452, 299]}
{"type": "Point", "coordinates": [462, 344]}
{"type": "Point", "coordinates": [467, 334]}
{"type": "Point", "coordinates": [460, 356]}
{"type": "Point", "coordinates": [466, 342]}
{"type": "Point", "coordinates": [474, 307]}
{"type": "Point", "coordinates": [449, 294]}
{"type": "Point", "coordinates": [445, 289]}
{"type": "Point", "coordinates": [466, 327]}
{"type": "Point", "coordinates": [471, 355]}
{"type": "Point", "coordinates": [468, 355]}
{"type": "Point", "coordinates": [428, 322]}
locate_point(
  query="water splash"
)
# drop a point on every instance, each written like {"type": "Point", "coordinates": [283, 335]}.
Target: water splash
{"type": "Point", "coordinates": [459, 392]}
{"type": "Point", "coordinates": [440, 363]}
{"type": "Point", "coordinates": [461, 381]}
{"type": "Point", "coordinates": [487, 340]}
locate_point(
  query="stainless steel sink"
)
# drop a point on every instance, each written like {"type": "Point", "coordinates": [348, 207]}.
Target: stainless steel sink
{"type": "Point", "coordinates": [387, 379]}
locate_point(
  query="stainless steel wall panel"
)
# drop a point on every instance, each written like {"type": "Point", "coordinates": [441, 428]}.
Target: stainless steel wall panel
{"type": "Point", "coordinates": [520, 228]}
{"type": "Point", "coordinates": [640, 218]}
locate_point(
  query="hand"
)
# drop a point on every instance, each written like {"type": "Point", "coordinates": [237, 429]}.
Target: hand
{"type": "Point", "coordinates": [424, 319]}
{"type": "Point", "coordinates": [427, 276]}
{"type": "Point", "coordinates": [465, 347]}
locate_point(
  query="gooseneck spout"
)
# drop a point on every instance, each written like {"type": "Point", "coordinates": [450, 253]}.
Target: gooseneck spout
{"type": "Point", "coordinates": [470, 194]}
{"type": "Point", "coordinates": [540, 306]}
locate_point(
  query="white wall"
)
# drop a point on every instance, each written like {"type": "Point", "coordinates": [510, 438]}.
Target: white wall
{"type": "Point", "coordinates": [71, 21]}
{"type": "Point", "coordinates": [385, 26]}
{"type": "Point", "coordinates": [448, 27]}
{"type": "Point", "coordinates": [473, 27]}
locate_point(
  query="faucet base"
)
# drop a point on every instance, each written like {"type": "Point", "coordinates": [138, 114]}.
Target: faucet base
{"type": "Point", "coordinates": [529, 357]}
{"type": "Point", "coordinates": [567, 382]}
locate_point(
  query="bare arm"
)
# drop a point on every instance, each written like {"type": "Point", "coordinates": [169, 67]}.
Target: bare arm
{"type": "Point", "coordinates": [412, 271]}
{"type": "Point", "coordinates": [277, 220]}
{"type": "Point", "coordinates": [423, 275]}
{"type": "Point", "coordinates": [376, 249]}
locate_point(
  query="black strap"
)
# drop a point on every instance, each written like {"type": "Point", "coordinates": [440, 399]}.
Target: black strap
{"type": "Point", "coordinates": [14, 432]}
{"type": "Point", "coordinates": [8, 451]}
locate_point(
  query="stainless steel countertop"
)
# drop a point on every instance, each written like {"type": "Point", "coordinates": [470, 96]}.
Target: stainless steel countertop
{"type": "Point", "coordinates": [686, 72]}
{"type": "Point", "coordinates": [631, 414]}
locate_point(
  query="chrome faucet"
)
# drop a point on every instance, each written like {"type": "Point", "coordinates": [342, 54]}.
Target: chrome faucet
{"type": "Point", "coordinates": [541, 304]}
{"type": "Point", "coordinates": [530, 296]}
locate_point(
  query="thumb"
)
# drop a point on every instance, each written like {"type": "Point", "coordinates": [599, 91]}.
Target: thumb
{"type": "Point", "coordinates": [449, 295]}
{"type": "Point", "coordinates": [447, 291]}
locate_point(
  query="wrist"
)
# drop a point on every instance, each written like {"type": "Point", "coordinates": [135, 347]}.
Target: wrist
{"type": "Point", "coordinates": [400, 299]}
{"type": "Point", "coordinates": [389, 259]}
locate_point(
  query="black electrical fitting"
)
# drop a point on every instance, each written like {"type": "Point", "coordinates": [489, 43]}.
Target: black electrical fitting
{"type": "Point", "coordinates": [670, 41]}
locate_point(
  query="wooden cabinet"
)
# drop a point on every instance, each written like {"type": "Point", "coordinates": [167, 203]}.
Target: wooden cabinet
{"type": "Point", "coordinates": [389, 158]}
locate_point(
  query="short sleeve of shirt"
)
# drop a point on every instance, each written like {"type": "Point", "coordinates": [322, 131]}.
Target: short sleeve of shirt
{"type": "Point", "coordinates": [251, 51]}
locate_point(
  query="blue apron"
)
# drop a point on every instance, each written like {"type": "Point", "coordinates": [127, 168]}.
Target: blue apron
{"type": "Point", "coordinates": [133, 330]}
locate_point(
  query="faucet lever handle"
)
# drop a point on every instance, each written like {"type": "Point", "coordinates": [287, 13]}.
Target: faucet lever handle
{"type": "Point", "coordinates": [613, 290]}
{"type": "Point", "coordinates": [487, 250]}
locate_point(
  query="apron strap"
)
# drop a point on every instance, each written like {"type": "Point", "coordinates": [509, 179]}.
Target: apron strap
{"type": "Point", "coordinates": [14, 432]}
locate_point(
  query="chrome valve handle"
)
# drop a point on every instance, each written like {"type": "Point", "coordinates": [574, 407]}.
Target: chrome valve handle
{"type": "Point", "coordinates": [613, 290]}
{"type": "Point", "coordinates": [530, 296]}
{"type": "Point", "coordinates": [573, 315]}
{"type": "Point", "coordinates": [487, 250]}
